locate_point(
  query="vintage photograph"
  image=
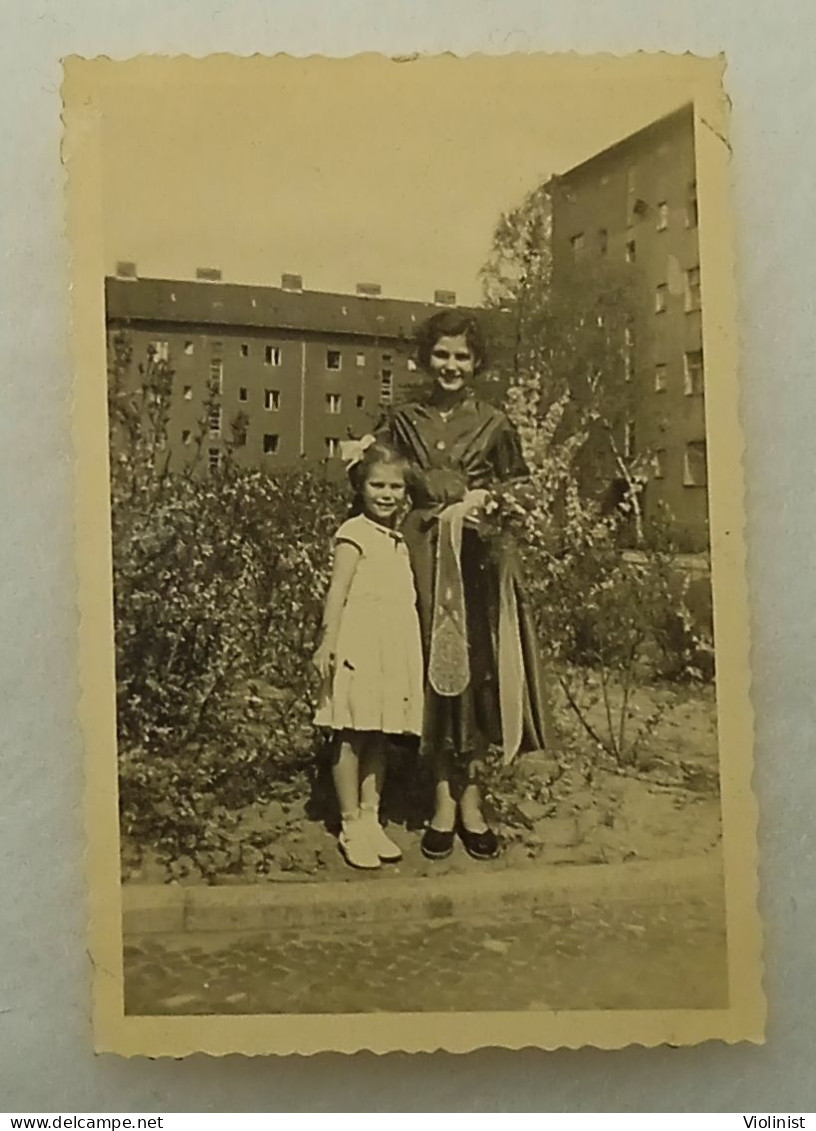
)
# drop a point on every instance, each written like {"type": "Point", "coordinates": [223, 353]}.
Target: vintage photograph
{"type": "Point", "coordinates": [407, 432]}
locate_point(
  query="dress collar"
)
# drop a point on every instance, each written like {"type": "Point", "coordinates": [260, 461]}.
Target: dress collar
{"type": "Point", "coordinates": [392, 533]}
{"type": "Point", "coordinates": [464, 399]}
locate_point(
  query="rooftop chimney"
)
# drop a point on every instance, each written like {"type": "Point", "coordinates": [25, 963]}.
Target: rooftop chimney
{"type": "Point", "coordinates": [445, 298]}
{"type": "Point", "coordinates": [291, 282]}
{"type": "Point", "coordinates": [369, 290]}
{"type": "Point", "coordinates": [126, 269]}
{"type": "Point", "coordinates": [208, 274]}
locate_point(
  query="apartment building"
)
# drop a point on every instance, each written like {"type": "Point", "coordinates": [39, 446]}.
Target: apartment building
{"type": "Point", "coordinates": [295, 371]}
{"type": "Point", "coordinates": [636, 203]}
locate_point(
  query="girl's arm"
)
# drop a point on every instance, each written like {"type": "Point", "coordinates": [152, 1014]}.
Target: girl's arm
{"type": "Point", "coordinates": [346, 557]}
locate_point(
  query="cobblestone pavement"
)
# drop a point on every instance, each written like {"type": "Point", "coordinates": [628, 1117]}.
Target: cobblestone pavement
{"type": "Point", "coordinates": [623, 956]}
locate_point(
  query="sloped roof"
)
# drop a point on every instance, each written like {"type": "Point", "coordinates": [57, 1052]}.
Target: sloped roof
{"type": "Point", "coordinates": [684, 113]}
{"type": "Point", "coordinates": [269, 308]}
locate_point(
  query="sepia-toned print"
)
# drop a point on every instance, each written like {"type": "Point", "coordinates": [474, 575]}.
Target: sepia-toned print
{"type": "Point", "coordinates": [414, 625]}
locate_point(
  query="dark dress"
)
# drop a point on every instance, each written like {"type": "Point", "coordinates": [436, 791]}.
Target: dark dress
{"type": "Point", "coordinates": [475, 446]}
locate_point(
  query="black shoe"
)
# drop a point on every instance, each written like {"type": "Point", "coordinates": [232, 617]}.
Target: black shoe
{"type": "Point", "coordinates": [436, 845]}
{"type": "Point", "coordinates": [481, 846]}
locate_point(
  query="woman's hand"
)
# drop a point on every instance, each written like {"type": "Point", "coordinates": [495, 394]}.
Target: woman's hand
{"type": "Point", "coordinates": [476, 503]}
{"type": "Point", "coordinates": [323, 660]}
{"type": "Point", "coordinates": [476, 500]}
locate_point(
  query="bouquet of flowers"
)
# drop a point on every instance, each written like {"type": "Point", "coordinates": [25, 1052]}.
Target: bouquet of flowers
{"type": "Point", "coordinates": [508, 507]}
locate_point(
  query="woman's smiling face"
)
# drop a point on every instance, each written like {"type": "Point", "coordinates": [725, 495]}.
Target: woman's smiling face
{"type": "Point", "coordinates": [452, 363]}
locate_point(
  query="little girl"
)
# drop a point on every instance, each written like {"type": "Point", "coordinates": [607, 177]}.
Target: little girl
{"type": "Point", "coordinates": [370, 653]}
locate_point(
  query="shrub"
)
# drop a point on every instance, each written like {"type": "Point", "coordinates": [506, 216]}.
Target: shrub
{"type": "Point", "coordinates": [218, 585]}
{"type": "Point", "coordinates": [608, 618]}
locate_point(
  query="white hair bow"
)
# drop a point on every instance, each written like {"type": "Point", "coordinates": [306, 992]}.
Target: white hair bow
{"type": "Point", "coordinates": [352, 451]}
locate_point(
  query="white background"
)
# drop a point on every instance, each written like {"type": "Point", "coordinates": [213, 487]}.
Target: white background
{"type": "Point", "coordinates": [45, 1062]}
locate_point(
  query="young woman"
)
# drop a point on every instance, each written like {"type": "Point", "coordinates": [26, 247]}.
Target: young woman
{"type": "Point", "coordinates": [370, 654]}
{"type": "Point", "coordinates": [482, 680]}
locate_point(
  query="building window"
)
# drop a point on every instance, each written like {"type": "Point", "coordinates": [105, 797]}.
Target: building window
{"type": "Point", "coordinates": [600, 321]}
{"type": "Point", "coordinates": [215, 421]}
{"type": "Point", "coordinates": [334, 359]}
{"type": "Point", "coordinates": [662, 216]}
{"type": "Point", "coordinates": [244, 349]}
{"type": "Point", "coordinates": [271, 442]}
{"type": "Point", "coordinates": [386, 386]}
{"type": "Point", "coordinates": [217, 349]}
{"type": "Point", "coordinates": [160, 351]}
{"type": "Point", "coordinates": [214, 458]}
{"type": "Point", "coordinates": [189, 348]}
{"type": "Point", "coordinates": [577, 243]}
{"type": "Point", "coordinates": [217, 375]}
{"type": "Point", "coordinates": [272, 355]}
{"type": "Point", "coordinates": [631, 251]}
{"type": "Point", "coordinates": [628, 352]}
{"type": "Point", "coordinates": [693, 295]}
{"type": "Point", "coordinates": [188, 392]}
{"type": "Point", "coordinates": [361, 402]}
{"type": "Point", "coordinates": [411, 365]}
{"type": "Point", "coordinates": [659, 463]}
{"type": "Point", "coordinates": [186, 435]}
{"type": "Point", "coordinates": [603, 241]}
{"type": "Point", "coordinates": [629, 439]}
{"type": "Point", "coordinates": [660, 378]}
{"type": "Point", "coordinates": [661, 298]}
{"type": "Point", "coordinates": [695, 471]}
{"type": "Point", "coordinates": [334, 403]}
{"type": "Point", "coordinates": [693, 373]}
{"type": "Point", "coordinates": [361, 360]}
{"type": "Point", "coordinates": [692, 212]}
{"type": "Point", "coordinates": [387, 357]}
{"type": "Point", "coordinates": [332, 447]}
{"type": "Point", "coordinates": [243, 393]}
{"type": "Point", "coordinates": [272, 399]}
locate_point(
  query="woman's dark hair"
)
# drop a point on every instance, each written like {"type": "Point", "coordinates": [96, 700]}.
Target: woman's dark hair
{"type": "Point", "coordinates": [450, 324]}
{"type": "Point", "coordinates": [378, 452]}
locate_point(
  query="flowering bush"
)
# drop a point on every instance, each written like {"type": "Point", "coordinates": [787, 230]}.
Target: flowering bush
{"type": "Point", "coordinates": [218, 586]}
{"type": "Point", "coordinates": [608, 619]}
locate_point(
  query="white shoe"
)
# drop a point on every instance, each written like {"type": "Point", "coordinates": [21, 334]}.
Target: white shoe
{"type": "Point", "coordinates": [356, 844]}
{"type": "Point", "coordinates": [387, 851]}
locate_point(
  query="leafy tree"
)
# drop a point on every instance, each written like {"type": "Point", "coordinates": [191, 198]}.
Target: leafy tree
{"type": "Point", "coordinates": [572, 328]}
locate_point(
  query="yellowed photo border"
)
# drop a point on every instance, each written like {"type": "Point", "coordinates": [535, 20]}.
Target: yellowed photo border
{"type": "Point", "coordinates": [696, 80]}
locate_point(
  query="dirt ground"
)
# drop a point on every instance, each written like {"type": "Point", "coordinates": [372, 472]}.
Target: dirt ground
{"type": "Point", "coordinates": [567, 809]}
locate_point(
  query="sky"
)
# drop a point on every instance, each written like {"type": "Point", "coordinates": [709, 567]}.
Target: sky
{"type": "Point", "coordinates": [350, 170]}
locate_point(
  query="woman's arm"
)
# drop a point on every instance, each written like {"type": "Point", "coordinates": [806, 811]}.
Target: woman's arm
{"type": "Point", "coordinates": [346, 557]}
{"type": "Point", "coordinates": [507, 464]}
{"type": "Point", "coordinates": [508, 459]}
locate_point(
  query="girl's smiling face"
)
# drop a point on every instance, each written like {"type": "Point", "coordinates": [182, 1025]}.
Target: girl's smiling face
{"type": "Point", "coordinates": [383, 492]}
{"type": "Point", "coordinates": [452, 363]}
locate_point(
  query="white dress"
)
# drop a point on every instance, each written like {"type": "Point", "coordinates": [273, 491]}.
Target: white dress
{"type": "Point", "coordinates": [377, 680]}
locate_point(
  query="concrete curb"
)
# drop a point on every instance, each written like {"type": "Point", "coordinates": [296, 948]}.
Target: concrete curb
{"type": "Point", "coordinates": [162, 908]}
